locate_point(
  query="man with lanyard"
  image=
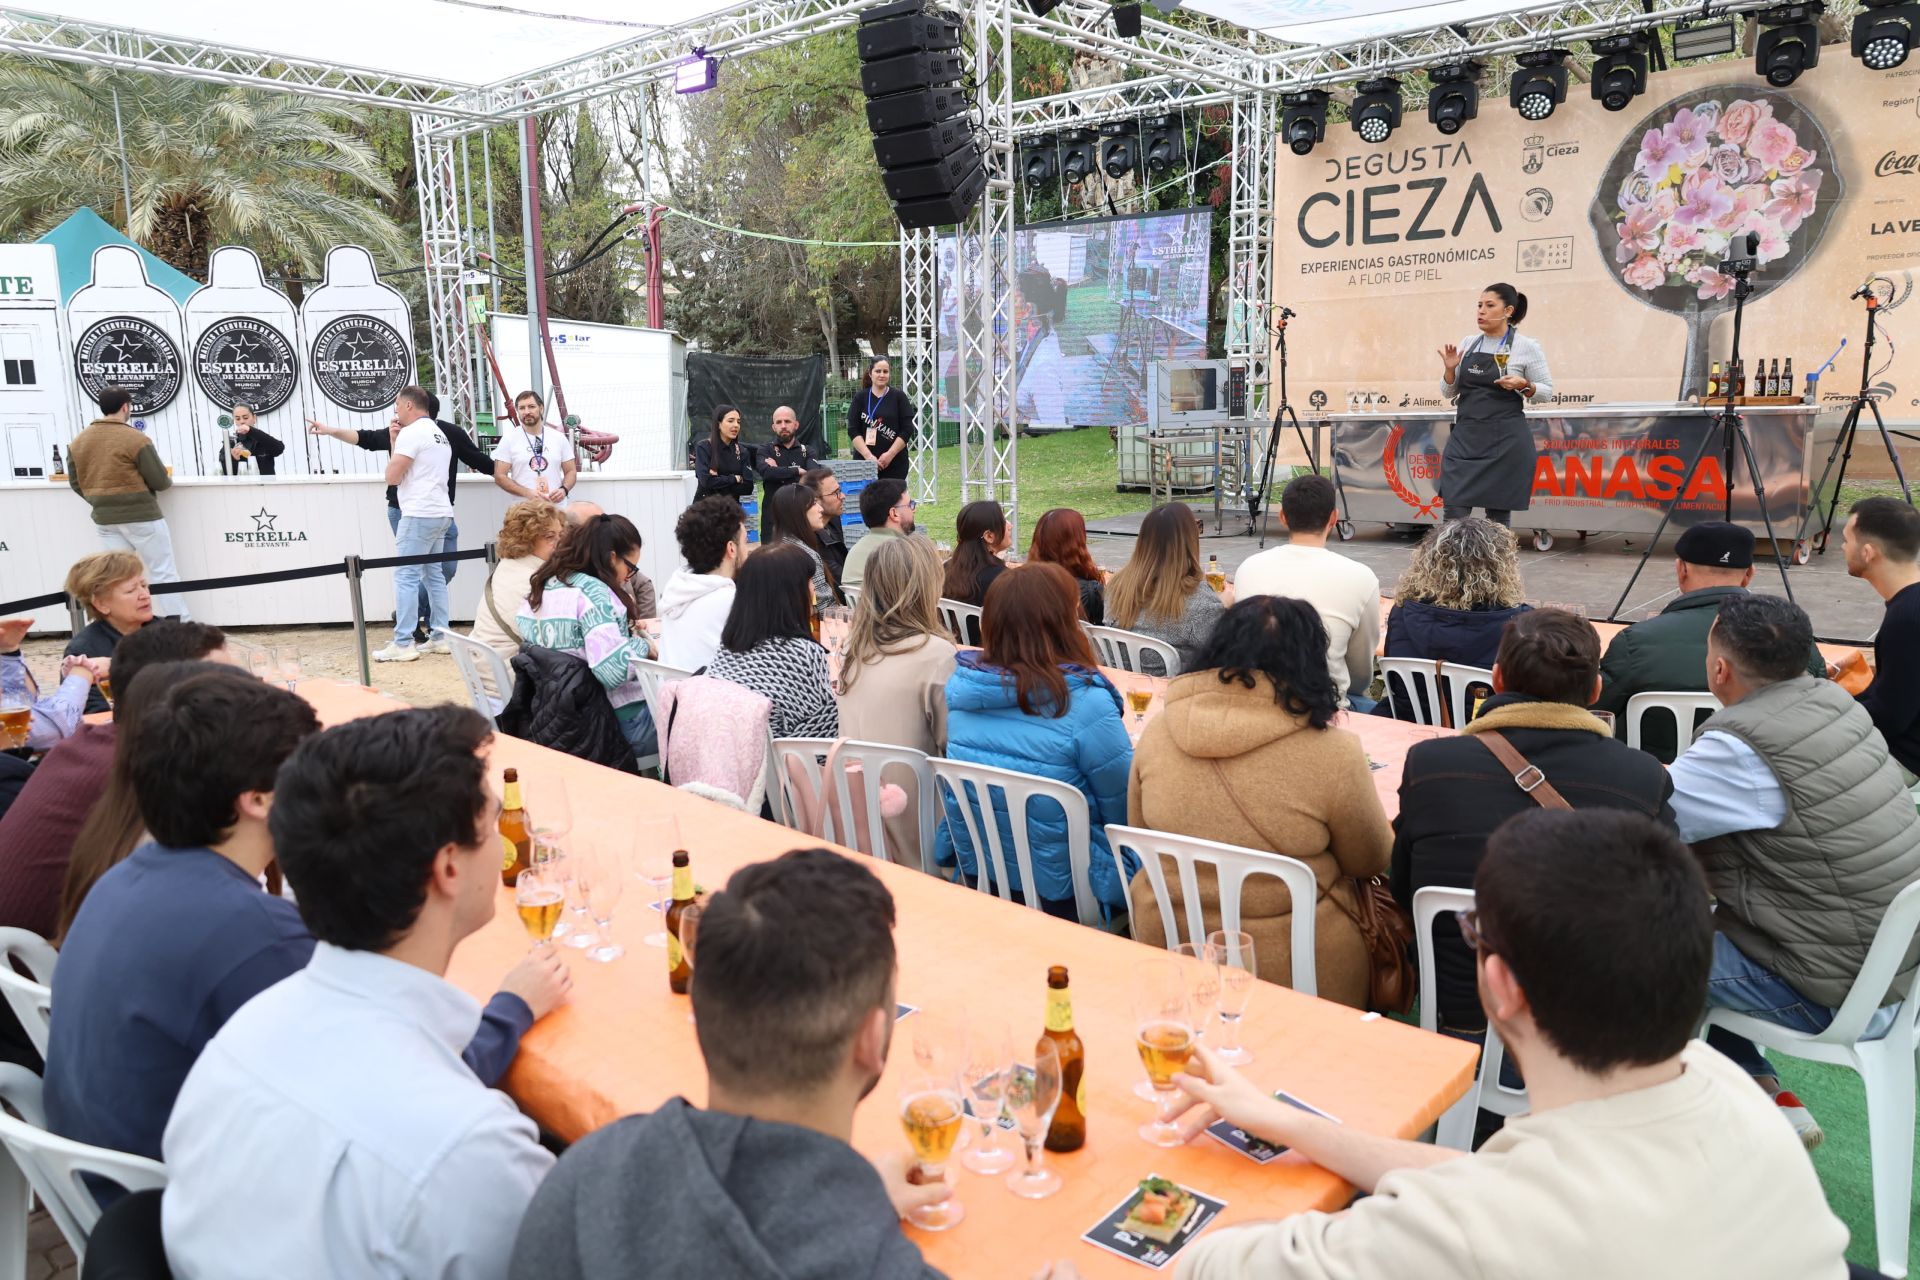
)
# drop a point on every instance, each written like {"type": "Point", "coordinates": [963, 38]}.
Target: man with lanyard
{"type": "Point", "coordinates": [783, 462]}
{"type": "Point", "coordinates": [525, 458]}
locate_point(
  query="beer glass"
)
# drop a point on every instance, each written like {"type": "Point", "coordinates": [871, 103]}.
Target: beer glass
{"type": "Point", "coordinates": [1033, 1092]}
{"type": "Point", "coordinates": [989, 1061]}
{"type": "Point", "coordinates": [260, 663]}
{"type": "Point", "coordinates": [932, 1115]}
{"type": "Point", "coordinates": [538, 901]}
{"type": "Point", "coordinates": [1139, 699]}
{"type": "Point", "coordinates": [286, 661]}
{"type": "Point", "coordinates": [16, 720]}
{"type": "Point", "coordinates": [602, 880]}
{"type": "Point", "coordinates": [654, 840]}
{"type": "Point", "coordinates": [1164, 1035]}
{"type": "Point", "coordinates": [1202, 975]}
{"type": "Point", "coordinates": [1232, 953]}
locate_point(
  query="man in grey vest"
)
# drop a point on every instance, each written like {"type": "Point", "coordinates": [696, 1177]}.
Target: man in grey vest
{"type": "Point", "coordinates": [1804, 828]}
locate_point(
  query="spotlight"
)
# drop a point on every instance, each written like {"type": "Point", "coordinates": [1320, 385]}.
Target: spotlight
{"type": "Point", "coordinates": [1884, 33]}
{"type": "Point", "coordinates": [697, 73]}
{"type": "Point", "coordinates": [1041, 8]}
{"type": "Point", "coordinates": [1711, 39]}
{"type": "Point", "coordinates": [1119, 148]}
{"type": "Point", "coordinates": [1540, 84]}
{"type": "Point", "coordinates": [1789, 42]}
{"type": "Point", "coordinates": [1303, 119]}
{"type": "Point", "coordinates": [1164, 144]}
{"type": "Point", "coordinates": [1454, 98]}
{"type": "Point", "coordinates": [1619, 69]}
{"type": "Point", "coordinates": [1126, 20]}
{"type": "Point", "coordinates": [1376, 109]}
{"type": "Point", "coordinates": [1076, 155]}
{"type": "Point", "coordinates": [1040, 161]}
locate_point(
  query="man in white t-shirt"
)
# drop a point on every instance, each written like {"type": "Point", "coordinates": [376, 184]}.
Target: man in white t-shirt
{"type": "Point", "coordinates": [418, 472]}
{"type": "Point", "coordinates": [1647, 1153]}
{"type": "Point", "coordinates": [1344, 592]}
{"type": "Point", "coordinates": [534, 459]}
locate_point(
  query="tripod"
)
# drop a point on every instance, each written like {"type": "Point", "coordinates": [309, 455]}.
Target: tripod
{"type": "Point", "coordinates": [1732, 429]}
{"type": "Point", "coordinates": [1257, 497]}
{"type": "Point", "coordinates": [1842, 450]}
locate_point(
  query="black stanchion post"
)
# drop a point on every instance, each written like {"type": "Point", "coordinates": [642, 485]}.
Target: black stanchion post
{"type": "Point", "coordinates": [76, 614]}
{"type": "Point", "coordinates": [359, 618]}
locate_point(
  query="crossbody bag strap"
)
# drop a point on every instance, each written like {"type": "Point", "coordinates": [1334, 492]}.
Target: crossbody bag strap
{"type": "Point", "coordinates": [1246, 817]}
{"type": "Point", "coordinates": [1526, 775]}
{"type": "Point", "coordinates": [486, 594]}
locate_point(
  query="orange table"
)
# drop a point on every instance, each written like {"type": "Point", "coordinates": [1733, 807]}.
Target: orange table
{"type": "Point", "coordinates": [623, 1044]}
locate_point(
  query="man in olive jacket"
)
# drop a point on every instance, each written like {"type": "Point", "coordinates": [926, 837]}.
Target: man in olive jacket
{"type": "Point", "coordinates": [1713, 563]}
{"type": "Point", "coordinates": [115, 467]}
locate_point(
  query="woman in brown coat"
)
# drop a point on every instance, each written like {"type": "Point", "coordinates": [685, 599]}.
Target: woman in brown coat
{"type": "Point", "coordinates": [1243, 753]}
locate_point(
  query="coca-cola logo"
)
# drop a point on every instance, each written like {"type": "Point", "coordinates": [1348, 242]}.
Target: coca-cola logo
{"type": "Point", "coordinates": [126, 351]}
{"type": "Point", "coordinates": [241, 360]}
{"type": "Point", "coordinates": [1894, 162]}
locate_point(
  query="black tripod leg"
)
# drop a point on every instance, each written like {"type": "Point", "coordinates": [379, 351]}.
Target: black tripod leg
{"type": "Point", "coordinates": [1760, 495]}
{"type": "Point", "coordinates": [1841, 453]}
{"type": "Point", "coordinates": [1666, 517]}
{"type": "Point", "coordinates": [1893, 454]}
{"type": "Point", "coordinates": [1257, 500]}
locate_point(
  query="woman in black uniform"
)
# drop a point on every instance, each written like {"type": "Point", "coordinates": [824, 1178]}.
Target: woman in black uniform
{"type": "Point", "coordinates": [1492, 376]}
{"type": "Point", "coordinates": [721, 464]}
{"type": "Point", "coordinates": [880, 421]}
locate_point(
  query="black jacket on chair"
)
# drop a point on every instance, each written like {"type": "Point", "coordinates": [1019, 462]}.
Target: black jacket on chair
{"type": "Point", "coordinates": [557, 703]}
{"type": "Point", "coordinates": [1453, 794]}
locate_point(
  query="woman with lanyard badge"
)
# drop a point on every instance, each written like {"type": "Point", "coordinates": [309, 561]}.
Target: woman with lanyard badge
{"type": "Point", "coordinates": [1489, 456]}
{"type": "Point", "coordinates": [880, 421]}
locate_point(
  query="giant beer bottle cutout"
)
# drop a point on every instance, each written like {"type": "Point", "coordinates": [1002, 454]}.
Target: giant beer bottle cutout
{"type": "Point", "coordinates": [243, 347]}
{"type": "Point", "coordinates": [128, 333]}
{"type": "Point", "coordinates": [358, 338]}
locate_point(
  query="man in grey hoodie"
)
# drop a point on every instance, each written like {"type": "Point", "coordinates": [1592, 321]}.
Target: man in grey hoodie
{"type": "Point", "coordinates": [793, 1006]}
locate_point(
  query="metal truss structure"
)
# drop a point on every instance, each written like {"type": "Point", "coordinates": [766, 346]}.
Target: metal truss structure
{"type": "Point", "coordinates": [919, 375]}
{"type": "Point", "coordinates": [448, 250]}
{"type": "Point", "coordinates": [1250, 257]}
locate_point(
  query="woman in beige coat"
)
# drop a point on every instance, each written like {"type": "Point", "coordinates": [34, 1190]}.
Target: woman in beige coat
{"type": "Point", "coordinates": [1243, 753]}
{"type": "Point", "coordinates": [893, 676]}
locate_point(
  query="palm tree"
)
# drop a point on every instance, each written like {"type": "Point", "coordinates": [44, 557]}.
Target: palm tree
{"type": "Point", "coordinates": [208, 165]}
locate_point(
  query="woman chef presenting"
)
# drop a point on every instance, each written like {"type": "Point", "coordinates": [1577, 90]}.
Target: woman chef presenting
{"type": "Point", "coordinates": [1492, 376]}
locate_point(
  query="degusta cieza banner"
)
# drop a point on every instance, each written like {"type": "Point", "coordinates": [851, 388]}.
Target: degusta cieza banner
{"type": "Point", "coordinates": [1614, 225]}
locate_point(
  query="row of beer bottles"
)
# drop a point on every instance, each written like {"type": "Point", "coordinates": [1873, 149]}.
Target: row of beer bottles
{"type": "Point", "coordinates": [1767, 380]}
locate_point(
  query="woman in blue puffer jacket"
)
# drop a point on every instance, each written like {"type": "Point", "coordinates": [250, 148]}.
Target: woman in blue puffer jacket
{"type": "Point", "coordinates": [1033, 700]}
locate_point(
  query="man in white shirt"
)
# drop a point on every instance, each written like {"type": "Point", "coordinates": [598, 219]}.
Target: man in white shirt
{"type": "Point", "coordinates": [1647, 1153]}
{"type": "Point", "coordinates": [697, 598]}
{"type": "Point", "coordinates": [534, 459]}
{"type": "Point", "coordinates": [418, 470]}
{"type": "Point", "coordinates": [330, 1128]}
{"type": "Point", "coordinates": [1344, 592]}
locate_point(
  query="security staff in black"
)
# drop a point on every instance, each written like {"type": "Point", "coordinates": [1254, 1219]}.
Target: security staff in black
{"type": "Point", "coordinates": [1489, 458]}
{"type": "Point", "coordinates": [782, 462]}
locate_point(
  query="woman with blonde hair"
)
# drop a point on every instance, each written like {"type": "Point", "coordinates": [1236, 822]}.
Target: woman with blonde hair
{"type": "Point", "coordinates": [112, 587]}
{"type": "Point", "coordinates": [1162, 591]}
{"type": "Point", "coordinates": [528, 534]}
{"type": "Point", "coordinates": [893, 674]}
{"type": "Point", "coordinates": [1457, 595]}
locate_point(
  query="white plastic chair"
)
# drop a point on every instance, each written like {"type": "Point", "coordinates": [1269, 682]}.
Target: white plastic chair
{"type": "Point", "coordinates": [1456, 1126]}
{"type": "Point", "coordinates": [975, 787]}
{"type": "Point", "coordinates": [1683, 707]}
{"type": "Point", "coordinates": [54, 1166]}
{"type": "Point", "coordinates": [797, 764]}
{"type": "Point", "coordinates": [801, 784]}
{"type": "Point", "coordinates": [1123, 649]}
{"type": "Point", "coordinates": [652, 675]}
{"type": "Point", "coordinates": [30, 996]}
{"type": "Point", "coordinates": [1885, 1066]}
{"type": "Point", "coordinates": [1233, 866]}
{"type": "Point", "coordinates": [954, 616]}
{"type": "Point", "coordinates": [471, 658]}
{"type": "Point", "coordinates": [851, 595]}
{"type": "Point", "coordinates": [1435, 688]}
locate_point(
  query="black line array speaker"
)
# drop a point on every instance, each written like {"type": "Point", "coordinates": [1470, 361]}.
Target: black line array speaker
{"type": "Point", "coordinates": [921, 117]}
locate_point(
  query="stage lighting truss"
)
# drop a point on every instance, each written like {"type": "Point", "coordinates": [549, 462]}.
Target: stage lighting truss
{"type": "Point", "coordinates": [1040, 162]}
{"type": "Point", "coordinates": [1789, 42]}
{"type": "Point", "coordinates": [1620, 69]}
{"type": "Point", "coordinates": [1454, 98]}
{"type": "Point", "coordinates": [1376, 109]}
{"type": "Point", "coordinates": [1540, 84]}
{"type": "Point", "coordinates": [1119, 148]}
{"type": "Point", "coordinates": [1163, 145]}
{"type": "Point", "coordinates": [1076, 155]}
{"type": "Point", "coordinates": [1303, 119]}
{"type": "Point", "coordinates": [1884, 33]}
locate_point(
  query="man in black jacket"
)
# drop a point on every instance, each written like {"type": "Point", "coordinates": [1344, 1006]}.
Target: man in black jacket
{"type": "Point", "coordinates": [833, 537]}
{"type": "Point", "coordinates": [1456, 790]}
{"type": "Point", "coordinates": [781, 463]}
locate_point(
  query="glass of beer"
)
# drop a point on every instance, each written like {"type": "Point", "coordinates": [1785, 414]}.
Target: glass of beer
{"type": "Point", "coordinates": [538, 901]}
{"type": "Point", "coordinates": [1033, 1092]}
{"type": "Point", "coordinates": [1232, 954]}
{"type": "Point", "coordinates": [105, 685]}
{"type": "Point", "coordinates": [16, 718]}
{"type": "Point", "coordinates": [1138, 701]}
{"type": "Point", "coordinates": [1164, 1034]}
{"type": "Point", "coordinates": [1218, 581]}
{"type": "Point", "coordinates": [932, 1115]}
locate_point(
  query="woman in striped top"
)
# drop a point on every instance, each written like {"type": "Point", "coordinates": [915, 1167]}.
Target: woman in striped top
{"type": "Point", "coordinates": [578, 604]}
{"type": "Point", "coordinates": [768, 647]}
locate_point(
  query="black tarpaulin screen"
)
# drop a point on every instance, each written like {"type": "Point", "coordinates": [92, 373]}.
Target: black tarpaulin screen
{"type": "Point", "coordinates": [756, 385]}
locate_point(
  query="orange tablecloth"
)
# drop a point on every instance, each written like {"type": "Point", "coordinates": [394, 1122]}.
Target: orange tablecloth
{"type": "Point", "coordinates": [623, 1044]}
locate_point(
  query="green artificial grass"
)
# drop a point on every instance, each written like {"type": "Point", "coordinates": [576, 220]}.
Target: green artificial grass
{"type": "Point", "coordinates": [1843, 1162]}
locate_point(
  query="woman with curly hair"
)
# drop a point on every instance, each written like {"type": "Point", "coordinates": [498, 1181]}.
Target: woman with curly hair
{"type": "Point", "coordinates": [1459, 592]}
{"type": "Point", "coordinates": [1060, 537]}
{"type": "Point", "coordinates": [528, 534]}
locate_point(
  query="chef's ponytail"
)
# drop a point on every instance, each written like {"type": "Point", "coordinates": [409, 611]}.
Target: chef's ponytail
{"type": "Point", "coordinates": [1511, 297]}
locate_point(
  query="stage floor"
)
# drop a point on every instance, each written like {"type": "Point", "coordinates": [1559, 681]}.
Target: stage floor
{"type": "Point", "coordinates": [1588, 574]}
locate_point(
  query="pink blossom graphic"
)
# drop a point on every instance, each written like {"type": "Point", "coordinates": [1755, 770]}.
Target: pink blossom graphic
{"type": "Point", "coordinates": [1795, 160]}
{"type": "Point", "coordinates": [1680, 241]}
{"type": "Point", "coordinates": [1737, 121]}
{"type": "Point", "coordinates": [1645, 272]}
{"type": "Point", "coordinates": [1727, 163]}
{"type": "Point", "coordinates": [1793, 199]}
{"type": "Point", "coordinates": [1688, 135]}
{"type": "Point", "coordinates": [1711, 282]}
{"type": "Point", "coordinates": [1658, 153]}
{"type": "Point", "coordinates": [1770, 143]}
{"type": "Point", "coordinates": [1704, 200]}
{"type": "Point", "coordinates": [1640, 232]}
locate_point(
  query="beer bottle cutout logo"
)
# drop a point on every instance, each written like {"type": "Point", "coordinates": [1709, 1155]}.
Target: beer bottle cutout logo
{"type": "Point", "coordinates": [126, 351]}
{"type": "Point", "coordinates": [360, 362]}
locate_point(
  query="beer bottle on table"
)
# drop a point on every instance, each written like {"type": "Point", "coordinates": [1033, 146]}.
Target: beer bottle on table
{"type": "Point", "coordinates": [679, 969]}
{"type": "Point", "coordinates": [1068, 1132]}
{"type": "Point", "coordinates": [516, 842]}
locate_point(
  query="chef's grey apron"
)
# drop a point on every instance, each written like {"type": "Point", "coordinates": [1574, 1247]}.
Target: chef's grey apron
{"type": "Point", "coordinates": [1489, 458]}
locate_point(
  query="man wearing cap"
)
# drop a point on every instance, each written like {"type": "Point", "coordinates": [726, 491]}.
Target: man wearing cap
{"type": "Point", "coordinates": [1713, 562]}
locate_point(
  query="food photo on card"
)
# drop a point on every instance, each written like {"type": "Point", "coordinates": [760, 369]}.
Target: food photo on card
{"type": "Point", "coordinates": [1154, 1221]}
{"type": "Point", "coordinates": [1255, 1149]}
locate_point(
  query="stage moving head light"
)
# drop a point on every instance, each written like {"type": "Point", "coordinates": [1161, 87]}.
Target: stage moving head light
{"type": "Point", "coordinates": [1620, 69]}
{"type": "Point", "coordinates": [1076, 155]}
{"type": "Point", "coordinates": [1454, 98]}
{"type": "Point", "coordinates": [1884, 33]}
{"type": "Point", "coordinates": [1376, 109]}
{"type": "Point", "coordinates": [1119, 148]}
{"type": "Point", "coordinates": [1163, 144]}
{"type": "Point", "coordinates": [1540, 84]}
{"type": "Point", "coordinates": [1789, 42]}
{"type": "Point", "coordinates": [1303, 119]}
{"type": "Point", "coordinates": [1039, 161]}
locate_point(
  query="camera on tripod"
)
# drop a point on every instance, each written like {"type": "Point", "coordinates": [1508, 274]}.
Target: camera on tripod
{"type": "Point", "coordinates": [1741, 268]}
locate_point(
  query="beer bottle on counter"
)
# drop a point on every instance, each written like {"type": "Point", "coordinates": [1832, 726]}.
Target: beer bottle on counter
{"type": "Point", "coordinates": [516, 842]}
{"type": "Point", "coordinates": [59, 467]}
{"type": "Point", "coordinates": [1713, 382]}
{"type": "Point", "coordinates": [1779, 388]}
{"type": "Point", "coordinates": [1786, 380]}
{"type": "Point", "coordinates": [1739, 379]}
{"type": "Point", "coordinates": [1068, 1132]}
{"type": "Point", "coordinates": [679, 968]}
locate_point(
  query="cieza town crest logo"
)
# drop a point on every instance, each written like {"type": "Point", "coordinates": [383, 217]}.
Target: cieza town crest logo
{"type": "Point", "coordinates": [1534, 149]}
{"type": "Point", "coordinates": [241, 360]}
{"type": "Point", "coordinates": [360, 363]}
{"type": "Point", "coordinates": [126, 351]}
{"type": "Point", "coordinates": [264, 533]}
